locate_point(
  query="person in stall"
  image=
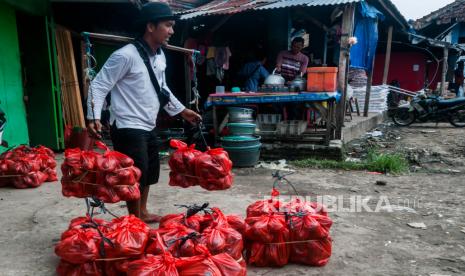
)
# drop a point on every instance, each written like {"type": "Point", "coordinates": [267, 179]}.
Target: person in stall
{"type": "Point", "coordinates": [292, 63]}
{"type": "Point", "coordinates": [135, 76]}
{"type": "Point", "coordinates": [253, 72]}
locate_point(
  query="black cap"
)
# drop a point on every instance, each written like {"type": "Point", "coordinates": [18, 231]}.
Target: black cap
{"type": "Point", "coordinates": [155, 11]}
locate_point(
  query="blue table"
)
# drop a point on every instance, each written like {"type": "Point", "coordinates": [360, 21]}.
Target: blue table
{"type": "Point", "coordinates": [228, 99]}
{"type": "Point", "coordinates": [234, 99]}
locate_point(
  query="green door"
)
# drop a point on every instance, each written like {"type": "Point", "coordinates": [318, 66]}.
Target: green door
{"type": "Point", "coordinates": [43, 103]}
{"type": "Point", "coordinates": [11, 92]}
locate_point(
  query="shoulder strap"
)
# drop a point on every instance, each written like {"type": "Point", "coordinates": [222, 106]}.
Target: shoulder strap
{"type": "Point", "coordinates": [163, 95]}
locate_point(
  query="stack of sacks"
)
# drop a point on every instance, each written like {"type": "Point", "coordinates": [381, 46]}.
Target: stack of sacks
{"type": "Point", "coordinates": [87, 241]}
{"type": "Point", "coordinates": [26, 167]}
{"type": "Point", "coordinates": [109, 176]}
{"type": "Point", "coordinates": [378, 98]}
{"type": "Point", "coordinates": [279, 233]}
{"type": "Point", "coordinates": [190, 167]}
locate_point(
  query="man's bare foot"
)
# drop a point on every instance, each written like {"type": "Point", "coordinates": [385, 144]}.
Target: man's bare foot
{"type": "Point", "coordinates": [150, 218]}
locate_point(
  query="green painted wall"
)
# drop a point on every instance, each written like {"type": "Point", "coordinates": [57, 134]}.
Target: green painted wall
{"type": "Point", "coordinates": [11, 92]}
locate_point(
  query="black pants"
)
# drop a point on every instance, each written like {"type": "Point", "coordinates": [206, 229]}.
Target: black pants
{"type": "Point", "coordinates": [142, 147]}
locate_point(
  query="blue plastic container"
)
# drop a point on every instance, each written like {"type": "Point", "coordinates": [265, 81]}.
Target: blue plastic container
{"type": "Point", "coordinates": [241, 128]}
{"type": "Point", "coordinates": [244, 156]}
{"type": "Point", "coordinates": [240, 141]}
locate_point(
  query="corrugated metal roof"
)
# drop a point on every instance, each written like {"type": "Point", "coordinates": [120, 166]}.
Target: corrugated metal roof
{"type": "Point", "coordinates": [222, 7]}
{"type": "Point", "coordinates": [218, 7]}
{"type": "Point", "coordinates": [308, 3]}
{"type": "Point", "coordinates": [445, 15]}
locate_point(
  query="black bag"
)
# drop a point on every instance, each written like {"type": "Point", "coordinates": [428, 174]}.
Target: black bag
{"type": "Point", "coordinates": [162, 94]}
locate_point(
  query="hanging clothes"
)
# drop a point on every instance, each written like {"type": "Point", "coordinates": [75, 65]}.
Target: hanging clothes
{"type": "Point", "coordinates": [222, 56]}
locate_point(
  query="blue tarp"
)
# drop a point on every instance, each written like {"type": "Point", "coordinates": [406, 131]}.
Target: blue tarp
{"type": "Point", "coordinates": [366, 31]}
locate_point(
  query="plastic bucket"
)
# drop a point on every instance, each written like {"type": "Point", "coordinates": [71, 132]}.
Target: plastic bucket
{"type": "Point", "coordinates": [240, 141]}
{"type": "Point", "coordinates": [244, 156]}
{"type": "Point", "coordinates": [240, 115]}
{"type": "Point", "coordinates": [241, 128]}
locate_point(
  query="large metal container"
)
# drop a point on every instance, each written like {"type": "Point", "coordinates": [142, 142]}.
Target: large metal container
{"type": "Point", "coordinates": [240, 115]}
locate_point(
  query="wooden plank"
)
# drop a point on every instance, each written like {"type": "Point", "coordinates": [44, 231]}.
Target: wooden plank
{"type": "Point", "coordinates": [387, 61]}
{"type": "Point", "coordinates": [347, 31]}
{"type": "Point", "coordinates": [73, 111]}
{"type": "Point", "coordinates": [444, 70]}
{"type": "Point", "coordinates": [85, 80]}
{"type": "Point", "coordinates": [368, 92]}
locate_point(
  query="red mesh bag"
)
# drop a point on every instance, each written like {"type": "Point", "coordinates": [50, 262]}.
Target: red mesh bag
{"type": "Point", "coordinates": [127, 193]}
{"type": "Point", "coordinates": [313, 253]}
{"type": "Point", "coordinates": [129, 236]}
{"type": "Point", "coordinates": [266, 228]}
{"type": "Point", "coordinates": [192, 222]}
{"type": "Point", "coordinates": [78, 246]}
{"type": "Point", "coordinates": [236, 222]}
{"type": "Point", "coordinates": [220, 237]}
{"type": "Point", "coordinates": [120, 267]}
{"type": "Point", "coordinates": [175, 238]}
{"type": "Point", "coordinates": [213, 184]}
{"type": "Point", "coordinates": [88, 269]}
{"type": "Point", "coordinates": [274, 254]}
{"type": "Point", "coordinates": [299, 205]}
{"type": "Point", "coordinates": [213, 168]}
{"type": "Point", "coordinates": [268, 235]}
{"type": "Point", "coordinates": [263, 207]}
{"type": "Point", "coordinates": [182, 164]}
{"type": "Point", "coordinates": [85, 222]}
{"type": "Point", "coordinates": [109, 177]}
{"type": "Point", "coordinates": [307, 226]}
{"type": "Point", "coordinates": [162, 264]}
{"type": "Point", "coordinates": [190, 218]}
{"type": "Point", "coordinates": [209, 264]}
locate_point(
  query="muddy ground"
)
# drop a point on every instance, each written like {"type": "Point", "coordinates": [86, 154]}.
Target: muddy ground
{"type": "Point", "coordinates": [365, 243]}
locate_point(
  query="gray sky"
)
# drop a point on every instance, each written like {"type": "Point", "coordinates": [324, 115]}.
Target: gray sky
{"type": "Point", "coordinates": [414, 9]}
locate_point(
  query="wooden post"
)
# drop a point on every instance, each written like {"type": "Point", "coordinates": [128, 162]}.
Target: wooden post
{"type": "Point", "coordinates": [347, 30]}
{"type": "Point", "coordinates": [387, 61]}
{"type": "Point", "coordinates": [368, 92]}
{"type": "Point", "coordinates": [444, 70]}
{"type": "Point", "coordinates": [325, 49]}
{"type": "Point", "coordinates": [187, 81]}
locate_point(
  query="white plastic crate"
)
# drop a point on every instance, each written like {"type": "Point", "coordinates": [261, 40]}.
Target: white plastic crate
{"type": "Point", "coordinates": [292, 127]}
{"type": "Point", "coordinates": [268, 119]}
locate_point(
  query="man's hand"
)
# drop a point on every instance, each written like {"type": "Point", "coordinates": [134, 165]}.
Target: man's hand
{"type": "Point", "coordinates": [191, 116]}
{"type": "Point", "coordinates": [94, 127]}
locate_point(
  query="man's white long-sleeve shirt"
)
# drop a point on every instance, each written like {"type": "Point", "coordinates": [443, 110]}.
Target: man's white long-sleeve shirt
{"type": "Point", "coordinates": [134, 102]}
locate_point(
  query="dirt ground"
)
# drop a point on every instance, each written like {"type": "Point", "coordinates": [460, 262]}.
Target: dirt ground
{"type": "Point", "coordinates": [365, 243]}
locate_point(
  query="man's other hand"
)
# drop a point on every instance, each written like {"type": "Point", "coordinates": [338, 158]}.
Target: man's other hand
{"type": "Point", "coordinates": [191, 116]}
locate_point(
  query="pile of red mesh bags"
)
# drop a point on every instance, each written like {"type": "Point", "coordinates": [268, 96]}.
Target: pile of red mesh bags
{"type": "Point", "coordinates": [202, 263]}
{"type": "Point", "coordinates": [87, 242]}
{"type": "Point", "coordinates": [210, 170]}
{"type": "Point", "coordinates": [26, 167]}
{"type": "Point", "coordinates": [109, 176]}
{"type": "Point", "coordinates": [203, 242]}
{"type": "Point", "coordinates": [278, 233]}
{"type": "Point", "coordinates": [126, 246]}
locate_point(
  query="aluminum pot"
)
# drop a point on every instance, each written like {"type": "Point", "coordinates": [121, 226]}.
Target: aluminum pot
{"type": "Point", "coordinates": [274, 79]}
{"type": "Point", "coordinates": [299, 83]}
{"type": "Point", "coordinates": [240, 115]}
